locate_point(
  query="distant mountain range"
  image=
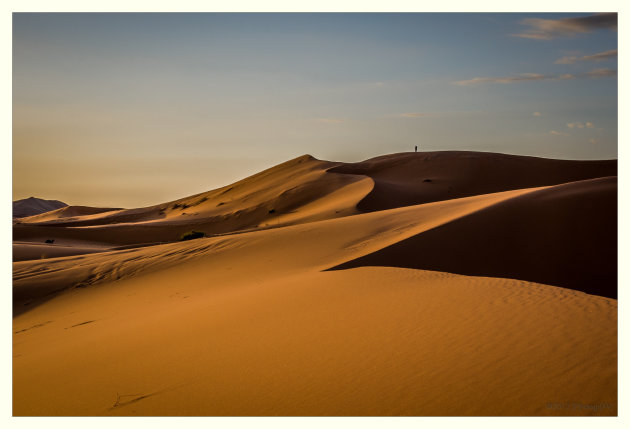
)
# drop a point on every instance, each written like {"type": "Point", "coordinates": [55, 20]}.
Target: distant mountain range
{"type": "Point", "coordinates": [32, 206]}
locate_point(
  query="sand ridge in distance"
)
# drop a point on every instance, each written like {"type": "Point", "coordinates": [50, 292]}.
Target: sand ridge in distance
{"type": "Point", "coordinates": [255, 323]}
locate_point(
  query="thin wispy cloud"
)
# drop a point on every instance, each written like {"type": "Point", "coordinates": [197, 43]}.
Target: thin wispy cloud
{"type": "Point", "coordinates": [525, 77]}
{"type": "Point", "coordinates": [601, 73]}
{"type": "Point", "coordinates": [580, 125]}
{"type": "Point", "coordinates": [600, 56]}
{"type": "Point", "coordinates": [508, 79]}
{"type": "Point", "coordinates": [417, 115]}
{"type": "Point", "coordinates": [536, 114]}
{"type": "Point", "coordinates": [558, 133]}
{"type": "Point", "coordinates": [547, 29]}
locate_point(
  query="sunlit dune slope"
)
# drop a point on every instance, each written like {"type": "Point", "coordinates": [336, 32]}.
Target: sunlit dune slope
{"type": "Point", "coordinates": [564, 235]}
{"type": "Point", "coordinates": [296, 191]}
{"type": "Point", "coordinates": [366, 341]}
{"type": "Point", "coordinates": [253, 324]}
{"type": "Point", "coordinates": [305, 189]}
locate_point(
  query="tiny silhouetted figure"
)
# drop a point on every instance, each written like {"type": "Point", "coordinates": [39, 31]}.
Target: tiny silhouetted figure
{"type": "Point", "coordinates": [416, 148]}
{"type": "Point", "coordinates": [50, 241]}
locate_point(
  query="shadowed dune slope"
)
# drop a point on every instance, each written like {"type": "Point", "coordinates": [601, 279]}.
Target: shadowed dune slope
{"type": "Point", "coordinates": [30, 251]}
{"type": "Point", "coordinates": [405, 179]}
{"type": "Point", "coordinates": [564, 235]}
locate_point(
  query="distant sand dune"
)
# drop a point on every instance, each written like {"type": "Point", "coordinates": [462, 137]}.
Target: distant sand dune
{"type": "Point", "coordinates": [67, 213]}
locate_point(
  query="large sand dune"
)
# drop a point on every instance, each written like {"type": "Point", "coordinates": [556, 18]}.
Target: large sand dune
{"type": "Point", "coordinates": [564, 235]}
{"type": "Point", "coordinates": [300, 190]}
{"type": "Point", "coordinates": [341, 301]}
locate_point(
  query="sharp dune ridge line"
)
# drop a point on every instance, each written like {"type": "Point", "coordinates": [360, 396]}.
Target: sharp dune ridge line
{"type": "Point", "coordinates": [443, 283]}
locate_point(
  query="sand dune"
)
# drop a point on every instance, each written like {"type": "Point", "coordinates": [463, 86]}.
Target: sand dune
{"type": "Point", "coordinates": [66, 214]}
{"type": "Point", "coordinates": [300, 190]}
{"type": "Point", "coordinates": [417, 178]}
{"type": "Point", "coordinates": [367, 341]}
{"type": "Point", "coordinates": [283, 189]}
{"type": "Point", "coordinates": [564, 235]}
{"type": "Point", "coordinates": [305, 189]}
{"type": "Point", "coordinates": [327, 306]}
{"type": "Point", "coordinates": [354, 236]}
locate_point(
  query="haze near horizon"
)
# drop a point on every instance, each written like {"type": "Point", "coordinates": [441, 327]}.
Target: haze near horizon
{"type": "Point", "coordinates": [130, 110]}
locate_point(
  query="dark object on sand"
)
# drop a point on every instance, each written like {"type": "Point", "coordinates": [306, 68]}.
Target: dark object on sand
{"type": "Point", "coordinates": [192, 235]}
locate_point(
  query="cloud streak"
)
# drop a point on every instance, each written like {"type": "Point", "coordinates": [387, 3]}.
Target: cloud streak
{"type": "Point", "coordinates": [600, 56]}
{"type": "Point", "coordinates": [580, 125]}
{"type": "Point", "coordinates": [558, 133]}
{"type": "Point", "coordinates": [509, 79]}
{"type": "Point", "coordinates": [601, 73]}
{"type": "Point", "coordinates": [526, 77]}
{"type": "Point", "coordinates": [547, 29]}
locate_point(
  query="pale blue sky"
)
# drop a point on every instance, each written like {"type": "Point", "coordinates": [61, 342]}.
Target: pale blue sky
{"type": "Point", "coordinates": [137, 109]}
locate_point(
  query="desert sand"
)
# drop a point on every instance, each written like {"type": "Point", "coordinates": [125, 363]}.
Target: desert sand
{"type": "Point", "coordinates": [420, 284]}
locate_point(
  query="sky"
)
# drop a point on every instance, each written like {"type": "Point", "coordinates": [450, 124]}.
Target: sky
{"type": "Point", "coordinates": [130, 110]}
